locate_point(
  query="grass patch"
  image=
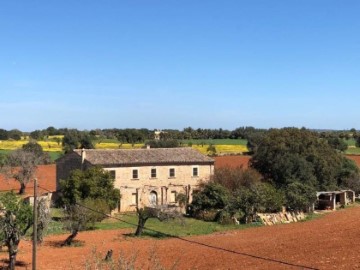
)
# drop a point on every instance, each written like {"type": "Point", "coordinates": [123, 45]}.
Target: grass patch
{"type": "Point", "coordinates": [353, 151]}
{"type": "Point", "coordinates": [157, 229]}
{"type": "Point", "coordinates": [178, 227]}
{"type": "Point", "coordinates": [4, 152]}
{"type": "Point", "coordinates": [55, 155]}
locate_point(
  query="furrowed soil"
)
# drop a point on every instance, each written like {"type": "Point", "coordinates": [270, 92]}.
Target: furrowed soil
{"type": "Point", "coordinates": [328, 242]}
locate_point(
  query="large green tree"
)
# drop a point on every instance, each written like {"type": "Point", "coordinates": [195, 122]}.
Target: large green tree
{"type": "Point", "coordinates": [93, 183]}
{"type": "Point", "coordinates": [291, 154]}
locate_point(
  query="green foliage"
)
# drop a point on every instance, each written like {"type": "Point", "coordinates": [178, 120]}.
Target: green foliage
{"type": "Point", "coordinates": [4, 134]}
{"type": "Point", "coordinates": [86, 142]}
{"type": "Point", "coordinates": [15, 220]}
{"type": "Point", "coordinates": [211, 196]}
{"type": "Point", "coordinates": [181, 199]}
{"type": "Point", "coordinates": [247, 201]}
{"type": "Point", "coordinates": [36, 149]}
{"type": "Point", "coordinates": [70, 141]}
{"type": "Point", "coordinates": [211, 150]}
{"type": "Point", "coordinates": [235, 178]}
{"type": "Point", "coordinates": [170, 143]}
{"type": "Point", "coordinates": [337, 143]}
{"type": "Point", "coordinates": [289, 155]}
{"type": "Point", "coordinates": [93, 183]}
{"type": "Point", "coordinates": [11, 203]}
{"type": "Point", "coordinates": [300, 196]}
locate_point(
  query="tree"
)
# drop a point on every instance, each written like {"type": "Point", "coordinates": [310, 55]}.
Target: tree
{"type": "Point", "coordinates": [4, 135]}
{"type": "Point", "coordinates": [15, 220]}
{"type": "Point", "coordinates": [211, 150]}
{"type": "Point", "coordinates": [70, 140]}
{"type": "Point", "coordinates": [297, 155]}
{"type": "Point", "coordinates": [235, 178]}
{"type": "Point", "coordinates": [21, 165]}
{"type": "Point", "coordinates": [36, 148]}
{"type": "Point", "coordinates": [337, 143]}
{"type": "Point", "coordinates": [169, 143]}
{"type": "Point", "coordinates": [153, 212]}
{"type": "Point", "coordinates": [86, 143]}
{"type": "Point", "coordinates": [212, 196]}
{"type": "Point", "coordinates": [43, 219]}
{"type": "Point", "coordinates": [74, 139]}
{"type": "Point", "coordinates": [82, 215]}
{"type": "Point", "coordinates": [93, 183]}
{"type": "Point", "coordinates": [300, 196]}
{"type": "Point", "coordinates": [15, 134]}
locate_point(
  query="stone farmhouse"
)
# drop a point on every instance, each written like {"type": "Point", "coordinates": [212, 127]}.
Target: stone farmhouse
{"type": "Point", "coordinates": [145, 177]}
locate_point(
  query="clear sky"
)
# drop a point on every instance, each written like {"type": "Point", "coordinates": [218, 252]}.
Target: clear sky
{"type": "Point", "coordinates": [179, 63]}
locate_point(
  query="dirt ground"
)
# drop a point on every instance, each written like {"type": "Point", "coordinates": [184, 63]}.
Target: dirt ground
{"type": "Point", "coordinates": [231, 161]}
{"type": "Point", "coordinates": [328, 242]}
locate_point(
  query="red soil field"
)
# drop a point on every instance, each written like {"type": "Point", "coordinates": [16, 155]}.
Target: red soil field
{"type": "Point", "coordinates": [232, 161]}
{"type": "Point", "coordinates": [354, 158]}
{"type": "Point", "coordinates": [46, 175]}
{"type": "Point", "coordinates": [328, 242]}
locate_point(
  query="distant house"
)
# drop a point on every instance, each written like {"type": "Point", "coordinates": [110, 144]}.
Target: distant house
{"type": "Point", "coordinates": [145, 177]}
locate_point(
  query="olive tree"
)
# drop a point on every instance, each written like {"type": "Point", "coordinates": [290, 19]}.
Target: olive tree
{"type": "Point", "coordinates": [15, 220]}
{"type": "Point", "coordinates": [21, 165]}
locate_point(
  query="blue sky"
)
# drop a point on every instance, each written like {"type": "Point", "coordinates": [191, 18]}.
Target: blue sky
{"type": "Point", "coordinates": [174, 64]}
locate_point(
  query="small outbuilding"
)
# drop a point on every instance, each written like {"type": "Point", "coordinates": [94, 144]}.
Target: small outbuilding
{"type": "Point", "coordinates": [330, 200]}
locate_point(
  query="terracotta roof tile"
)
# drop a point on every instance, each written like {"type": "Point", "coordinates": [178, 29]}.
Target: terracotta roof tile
{"type": "Point", "coordinates": [182, 155]}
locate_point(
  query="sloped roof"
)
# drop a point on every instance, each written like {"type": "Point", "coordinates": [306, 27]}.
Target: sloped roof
{"type": "Point", "coordinates": [180, 155]}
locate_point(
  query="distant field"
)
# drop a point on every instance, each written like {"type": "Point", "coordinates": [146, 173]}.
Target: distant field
{"type": "Point", "coordinates": [222, 146]}
{"type": "Point", "coordinates": [350, 142]}
{"type": "Point", "coordinates": [222, 149]}
{"type": "Point", "coordinates": [112, 145]}
{"type": "Point", "coordinates": [216, 142]}
{"type": "Point", "coordinates": [48, 146]}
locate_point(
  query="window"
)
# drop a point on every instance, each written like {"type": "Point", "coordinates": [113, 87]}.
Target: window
{"type": "Point", "coordinates": [195, 172]}
{"type": "Point", "coordinates": [153, 173]}
{"type": "Point", "coordinates": [134, 199]}
{"type": "Point", "coordinates": [172, 172]}
{"type": "Point", "coordinates": [135, 174]}
{"type": "Point", "coordinates": [173, 196]}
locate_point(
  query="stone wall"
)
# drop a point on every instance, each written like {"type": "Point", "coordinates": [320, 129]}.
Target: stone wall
{"type": "Point", "coordinates": [279, 218]}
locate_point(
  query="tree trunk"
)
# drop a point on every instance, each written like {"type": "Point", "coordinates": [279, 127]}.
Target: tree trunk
{"type": "Point", "coordinates": [22, 188]}
{"type": "Point", "coordinates": [12, 256]}
{"type": "Point", "coordinates": [141, 225]}
{"type": "Point", "coordinates": [70, 238]}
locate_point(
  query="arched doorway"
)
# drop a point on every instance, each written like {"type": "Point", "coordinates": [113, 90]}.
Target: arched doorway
{"type": "Point", "coordinates": [153, 198]}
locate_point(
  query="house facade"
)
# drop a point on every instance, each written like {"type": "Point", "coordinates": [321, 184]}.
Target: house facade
{"type": "Point", "coordinates": [145, 177]}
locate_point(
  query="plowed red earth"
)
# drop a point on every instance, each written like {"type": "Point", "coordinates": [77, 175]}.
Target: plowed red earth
{"type": "Point", "coordinates": [329, 242]}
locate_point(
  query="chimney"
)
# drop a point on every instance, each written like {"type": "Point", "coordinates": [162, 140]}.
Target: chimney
{"type": "Point", "coordinates": [83, 157]}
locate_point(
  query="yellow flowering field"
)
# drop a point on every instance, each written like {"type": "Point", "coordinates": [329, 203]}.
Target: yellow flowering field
{"type": "Point", "coordinates": [106, 145]}
{"type": "Point", "coordinates": [222, 149]}
{"type": "Point", "coordinates": [47, 146]}
{"type": "Point", "coordinates": [52, 146]}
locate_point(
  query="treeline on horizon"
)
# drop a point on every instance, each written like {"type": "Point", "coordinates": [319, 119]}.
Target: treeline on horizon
{"type": "Point", "coordinates": [134, 135]}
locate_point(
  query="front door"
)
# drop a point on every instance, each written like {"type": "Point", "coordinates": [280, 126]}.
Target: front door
{"type": "Point", "coordinates": [153, 198]}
